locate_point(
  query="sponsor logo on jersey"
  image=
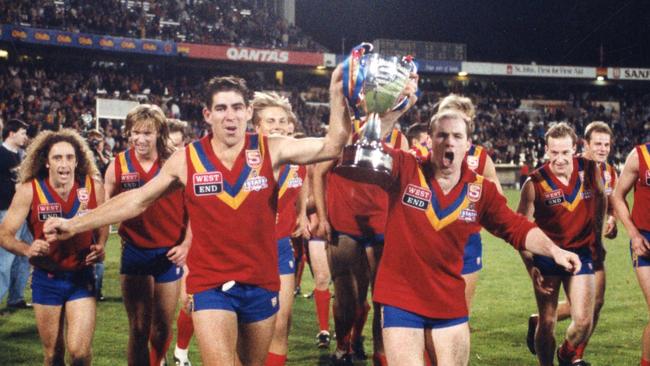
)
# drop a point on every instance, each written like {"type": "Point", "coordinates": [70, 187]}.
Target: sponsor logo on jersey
{"type": "Point", "coordinates": [130, 181]}
{"type": "Point", "coordinates": [474, 192]}
{"type": "Point", "coordinates": [82, 195]}
{"type": "Point", "coordinates": [47, 210]}
{"type": "Point", "coordinates": [468, 215]}
{"type": "Point", "coordinates": [206, 184]}
{"type": "Point", "coordinates": [253, 158]}
{"type": "Point", "coordinates": [553, 198]}
{"type": "Point", "coordinates": [256, 183]}
{"type": "Point", "coordinates": [587, 194]}
{"type": "Point", "coordinates": [295, 181]}
{"type": "Point", "coordinates": [472, 162]}
{"type": "Point", "coordinates": [416, 197]}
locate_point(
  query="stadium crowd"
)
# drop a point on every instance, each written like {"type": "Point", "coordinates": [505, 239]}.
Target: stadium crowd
{"type": "Point", "coordinates": [50, 97]}
{"type": "Point", "coordinates": [247, 23]}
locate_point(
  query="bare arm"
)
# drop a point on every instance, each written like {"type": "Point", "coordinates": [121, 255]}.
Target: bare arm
{"type": "Point", "coordinates": [110, 181]}
{"type": "Point", "coordinates": [16, 216]}
{"type": "Point", "coordinates": [490, 172]}
{"type": "Point", "coordinates": [538, 243]}
{"type": "Point", "coordinates": [388, 119]}
{"type": "Point", "coordinates": [301, 227]}
{"type": "Point", "coordinates": [626, 181]}
{"type": "Point", "coordinates": [100, 234]}
{"type": "Point", "coordinates": [178, 254]}
{"type": "Point", "coordinates": [527, 208]}
{"type": "Point", "coordinates": [311, 150]}
{"type": "Point", "coordinates": [123, 206]}
{"type": "Point", "coordinates": [318, 189]}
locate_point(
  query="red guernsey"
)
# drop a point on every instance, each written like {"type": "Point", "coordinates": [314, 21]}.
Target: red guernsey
{"type": "Point", "coordinates": [426, 234]}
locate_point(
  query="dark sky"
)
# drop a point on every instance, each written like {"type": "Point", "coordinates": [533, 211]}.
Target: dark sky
{"type": "Point", "coordinates": [544, 31]}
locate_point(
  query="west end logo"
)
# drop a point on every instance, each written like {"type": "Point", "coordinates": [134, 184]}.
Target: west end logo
{"type": "Point", "coordinates": [206, 184]}
{"type": "Point", "coordinates": [130, 181]}
{"type": "Point", "coordinates": [416, 197]}
{"type": "Point", "coordinates": [553, 198]}
{"type": "Point", "coordinates": [47, 210]}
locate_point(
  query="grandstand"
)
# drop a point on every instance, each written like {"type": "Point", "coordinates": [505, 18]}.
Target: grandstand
{"type": "Point", "coordinates": [57, 57]}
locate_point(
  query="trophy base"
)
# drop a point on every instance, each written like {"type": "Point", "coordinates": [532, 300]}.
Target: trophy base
{"type": "Point", "coordinates": [365, 163]}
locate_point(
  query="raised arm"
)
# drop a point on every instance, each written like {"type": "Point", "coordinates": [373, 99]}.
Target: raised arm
{"type": "Point", "coordinates": [123, 206]}
{"type": "Point", "coordinates": [388, 119]}
{"type": "Point", "coordinates": [626, 181]}
{"type": "Point", "coordinates": [16, 216]}
{"type": "Point", "coordinates": [311, 150]}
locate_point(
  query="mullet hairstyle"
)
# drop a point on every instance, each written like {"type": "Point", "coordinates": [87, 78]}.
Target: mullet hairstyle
{"type": "Point", "coordinates": [151, 115]}
{"type": "Point", "coordinates": [35, 164]}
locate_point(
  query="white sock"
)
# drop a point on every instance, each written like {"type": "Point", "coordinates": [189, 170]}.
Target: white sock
{"type": "Point", "coordinates": [180, 353]}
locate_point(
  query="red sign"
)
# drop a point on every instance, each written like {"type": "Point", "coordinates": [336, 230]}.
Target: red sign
{"type": "Point", "coordinates": [245, 54]}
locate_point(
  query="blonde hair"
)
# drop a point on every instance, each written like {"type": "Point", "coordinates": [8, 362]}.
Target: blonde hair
{"type": "Point", "coordinates": [461, 104]}
{"type": "Point", "coordinates": [35, 164]}
{"type": "Point", "coordinates": [450, 114]}
{"type": "Point", "coordinates": [151, 115]}
{"type": "Point", "coordinates": [262, 100]}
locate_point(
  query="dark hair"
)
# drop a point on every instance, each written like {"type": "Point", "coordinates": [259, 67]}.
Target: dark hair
{"type": "Point", "coordinates": [224, 84]}
{"type": "Point", "coordinates": [35, 164]}
{"type": "Point", "coordinates": [416, 130]}
{"type": "Point", "coordinates": [13, 125]}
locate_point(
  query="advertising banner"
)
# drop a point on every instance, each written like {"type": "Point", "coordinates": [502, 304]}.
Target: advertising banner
{"type": "Point", "coordinates": [89, 41]}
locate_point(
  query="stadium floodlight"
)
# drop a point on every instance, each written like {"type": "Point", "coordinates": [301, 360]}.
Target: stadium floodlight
{"type": "Point", "coordinates": [4, 54]}
{"type": "Point", "coordinates": [462, 73]}
{"type": "Point", "coordinates": [600, 78]}
{"type": "Point", "coordinates": [321, 67]}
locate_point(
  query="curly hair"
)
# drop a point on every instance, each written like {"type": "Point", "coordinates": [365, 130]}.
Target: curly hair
{"type": "Point", "coordinates": [35, 164]}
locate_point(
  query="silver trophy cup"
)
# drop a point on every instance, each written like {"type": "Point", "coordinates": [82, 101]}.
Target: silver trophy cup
{"type": "Point", "coordinates": [384, 79]}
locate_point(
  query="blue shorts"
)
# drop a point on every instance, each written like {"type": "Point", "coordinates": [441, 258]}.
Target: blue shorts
{"type": "Point", "coordinates": [395, 317]}
{"type": "Point", "coordinates": [640, 261]}
{"type": "Point", "coordinates": [473, 256]}
{"type": "Point", "coordinates": [547, 266]}
{"type": "Point", "coordinates": [57, 288]}
{"type": "Point", "coordinates": [366, 241]}
{"type": "Point", "coordinates": [285, 256]}
{"type": "Point", "coordinates": [149, 262]}
{"type": "Point", "coordinates": [250, 303]}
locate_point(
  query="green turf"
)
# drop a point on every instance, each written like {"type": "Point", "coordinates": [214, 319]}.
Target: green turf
{"type": "Point", "coordinates": [503, 301]}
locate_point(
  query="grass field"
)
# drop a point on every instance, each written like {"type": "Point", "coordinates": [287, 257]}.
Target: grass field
{"type": "Point", "coordinates": [504, 300]}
